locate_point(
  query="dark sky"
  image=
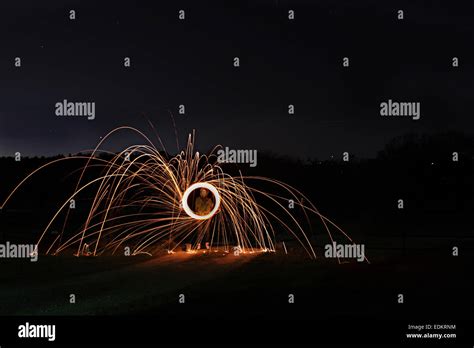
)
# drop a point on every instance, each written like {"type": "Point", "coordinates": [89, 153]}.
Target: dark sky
{"type": "Point", "coordinates": [190, 62]}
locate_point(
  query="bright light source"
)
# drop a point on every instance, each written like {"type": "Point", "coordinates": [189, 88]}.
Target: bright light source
{"type": "Point", "coordinates": [205, 185]}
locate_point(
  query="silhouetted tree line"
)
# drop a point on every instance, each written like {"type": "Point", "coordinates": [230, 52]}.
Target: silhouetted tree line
{"type": "Point", "coordinates": [420, 169]}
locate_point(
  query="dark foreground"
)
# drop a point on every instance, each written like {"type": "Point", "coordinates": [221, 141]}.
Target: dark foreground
{"type": "Point", "coordinates": [436, 287]}
{"type": "Point", "coordinates": [216, 285]}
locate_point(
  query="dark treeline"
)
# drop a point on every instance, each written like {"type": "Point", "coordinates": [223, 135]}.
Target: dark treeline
{"type": "Point", "coordinates": [433, 174]}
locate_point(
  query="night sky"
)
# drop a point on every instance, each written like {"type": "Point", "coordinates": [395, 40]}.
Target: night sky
{"type": "Point", "coordinates": [190, 62]}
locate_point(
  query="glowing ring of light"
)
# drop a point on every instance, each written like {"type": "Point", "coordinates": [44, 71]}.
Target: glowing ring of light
{"type": "Point", "coordinates": [189, 211]}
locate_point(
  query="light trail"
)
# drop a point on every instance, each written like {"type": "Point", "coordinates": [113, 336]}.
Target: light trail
{"type": "Point", "coordinates": [141, 201]}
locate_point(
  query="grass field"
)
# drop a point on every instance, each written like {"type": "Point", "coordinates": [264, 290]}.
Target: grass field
{"type": "Point", "coordinates": [219, 285]}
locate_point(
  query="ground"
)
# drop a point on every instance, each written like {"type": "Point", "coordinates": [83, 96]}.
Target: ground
{"type": "Point", "coordinates": [257, 286]}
